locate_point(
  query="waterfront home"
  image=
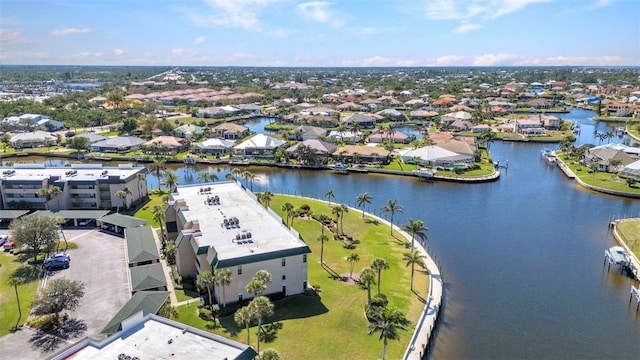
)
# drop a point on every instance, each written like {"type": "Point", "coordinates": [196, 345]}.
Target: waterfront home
{"type": "Point", "coordinates": [359, 154]}
{"type": "Point", "coordinates": [480, 128]}
{"type": "Point", "coordinates": [632, 170]}
{"type": "Point", "coordinates": [258, 145]}
{"type": "Point", "coordinates": [379, 136]}
{"type": "Point", "coordinates": [92, 137]}
{"type": "Point", "coordinates": [324, 111]}
{"type": "Point", "coordinates": [392, 115]}
{"type": "Point", "coordinates": [306, 132]}
{"type": "Point", "coordinates": [213, 146]}
{"type": "Point", "coordinates": [188, 130]}
{"type": "Point", "coordinates": [33, 139]}
{"type": "Point", "coordinates": [434, 156]}
{"type": "Point", "coordinates": [460, 145]}
{"type": "Point", "coordinates": [345, 136]}
{"type": "Point", "coordinates": [223, 226]}
{"type": "Point", "coordinates": [318, 147]}
{"type": "Point", "coordinates": [602, 157]}
{"type": "Point", "coordinates": [351, 106]}
{"type": "Point", "coordinates": [460, 125]}
{"type": "Point", "coordinates": [619, 109]}
{"type": "Point", "coordinates": [450, 118]}
{"type": "Point", "coordinates": [164, 145]}
{"type": "Point", "coordinates": [231, 131]}
{"type": "Point", "coordinates": [117, 144]}
{"type": "Point", "coordinates": [422, 114]}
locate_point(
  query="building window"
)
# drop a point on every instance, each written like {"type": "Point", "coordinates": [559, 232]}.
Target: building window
{"type": "Point", "coordinates": [239, 296]}
{"type": "Point", "coordinates": [284, 261]}
{"type": "Point", "coordinates": [240, 270]}
{"type": "Point", "coordinates": [304, 258]}
{"type": "Point", "coordinates": [284, 277]}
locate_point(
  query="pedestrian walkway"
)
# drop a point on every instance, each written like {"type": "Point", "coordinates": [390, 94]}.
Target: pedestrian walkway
{"type": "Point", "coordinates": [167, 271]}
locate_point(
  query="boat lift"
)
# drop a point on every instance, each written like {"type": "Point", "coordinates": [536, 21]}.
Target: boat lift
{"type": "Point", "coordinates": [635, 292]}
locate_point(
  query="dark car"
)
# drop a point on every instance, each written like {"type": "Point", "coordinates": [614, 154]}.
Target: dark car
{"type": "Point", "coordinates": [57, 261]}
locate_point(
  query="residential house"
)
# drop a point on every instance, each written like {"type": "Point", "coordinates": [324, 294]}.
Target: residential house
{"type": "Point", "coordinates": [213, 146]}
{"type": "Point", "coordinates": [365, 121]}
{"type": "Point", "coordinates": [379, 136]}
{"type": "Point", "coordinates": [421, 114]}
{"type": "Point", "coordinates": [50, 124]}
{"type": "Point", "coordinates": [318, 147]}
{"type": "Point", "coordinates": [450, 118]}
{"type": "Point", "coordinates": [618, 109]}
{"type": "Point", "coordinates": [33, 140]}
{"type": "Point", "coordinates": [188, 131]}
{"type": "Point", "coordinates": [392, 115]}
{"type": "Point", "coordinates": [346, 136]}
{"type": "Point", "coordinates": [258, 145]}
{"type": "Point", "coordinates": [92, 137]}
{"type": "Point", "coordinates": [306, 132]}
{"type": "Point", "coordinates": [117, 144]}
{"type": "Point", "coordinates": [164, 145]}
{"type": "Point", "coordinates": [435, 156]}
{"type": "Point", "coordinates": [601, 157]}
{"type": "Point", "coordinates": [361, 154]}
{"type": "Point", "coordinates": [231, 131]}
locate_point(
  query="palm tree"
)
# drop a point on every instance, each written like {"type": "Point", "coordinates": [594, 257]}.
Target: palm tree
{"type": "Point", "coordinates": [337, 210]}
{"type": "Point", "coordinates": [230, 177]}
{"type": "Point", "coordinates": [345, 209]}
{"type": "Point", "coordinates": [288, 208]}
{"type": "Point", "coordinates": [14, 281]}
{"type": "Point", "coordinates": [392, 207]}
{"type": "Point", "coordinates": [256, 287]}
{"type": "Point", "coordinates": [352, 259]}
{"type": "Point", "coordinates": [363, 199]}
{"type": "Point", "coordinates": [236, 172]}
{"type": "Point", "coordinates": [387, 323]}
{"type": "Point", "coordinates": [263, 276]}
{"type": "Point", "coordinates": [368, 278]}
{"type": "Point", "coordinates": [322, 238]}
{"type": "Point", "coordinates": [329, 194]}
{"type": "Point", "coordinates": [379, 264]}
{"type": "Point", "coordinates": [206, 176]}
{"type": "Point", "coordinates": [158, 216]}
{"type": "Point", "coordinates": [243, 316]}
{"type": "Point", "coordinates": [223, 279]}
{"type": "Point", "coordinates": [267, 196]}
{"type": "Point", "coordinates": [246, 175]}
{"type": "Point", "coordinates": [122, 194]}
{"type": "Point", "coordinates": [157, 168]}
{"type": "Point", "coordinates": [389, 131]}
{"type": "Point", "coordinates": [487, 137]}
{"type": "Point", "coordinates": [170, 180]}
{"type": "Point", "coordinates": [142, 179]}
{"type": "Point", "coordinates": [416, 228]}
{"type": "Point", "coordinates": [412, 258]}
{"type": "Point", "coordinates": [207, 280]}
{"type": "Point", "coordinates": [262, 307]}
{"type": "Point", "coordinates": [270, 354]}
{"type": "Point", "coordinates": [251, 178]}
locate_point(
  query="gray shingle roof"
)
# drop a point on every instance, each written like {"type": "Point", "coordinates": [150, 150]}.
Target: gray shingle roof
{"type": "Point", "coordinates": [149, 302]}
{"type": "Point", "coordinates": [147, 277]}
{"type": "Point", "coordinates": [141, 244]}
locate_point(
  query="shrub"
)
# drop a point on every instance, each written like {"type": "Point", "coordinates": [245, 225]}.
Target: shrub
{"type": "Point", "coordinates": [43, 323]}
{"type": "Point", "coordinates": [379, 301]}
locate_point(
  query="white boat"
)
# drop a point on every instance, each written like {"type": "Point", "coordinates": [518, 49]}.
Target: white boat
{"type": "Point", "coordinates": [551, 159]}
{"type": "Point", "coordinates": [544, 153]}
{"type": "Point", "coordinates": [423, 173]}
{"type": "Point", "coordinates": [340, 168]}
{"type": "Point", "coordinates": [617, 255]}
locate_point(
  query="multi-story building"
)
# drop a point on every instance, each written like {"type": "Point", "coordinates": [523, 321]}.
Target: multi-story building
{"type": "Point", "coordinates": [222, 225]}
{"type": "Point", "coordinates": [81, 186]}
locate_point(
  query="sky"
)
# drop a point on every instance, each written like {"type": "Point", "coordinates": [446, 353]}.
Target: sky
{"type": "Point", "coordinates": [334, 33]}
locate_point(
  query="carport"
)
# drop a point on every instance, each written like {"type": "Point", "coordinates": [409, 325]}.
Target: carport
{"type": "Point", "coordinates": [74, 218]}
{"type": "Point", "coordinates": [148, 277]}
{"type": "Point", "coordinates": [118, 223]}
{"type": "Point", "coordinates": [149, 302]}
{"type": "Point", "coordinates": [7, 216]}
{"type": "Point", "coordinates": [141, 246]}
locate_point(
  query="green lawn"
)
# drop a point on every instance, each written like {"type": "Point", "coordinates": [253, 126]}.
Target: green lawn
{"type": "Point", "coordinates": [146, 211]}
{"type": "Point", "coordinates": [630, 232]}
{"type": "Point", "coordinates": [13, 266]}
{"type": "Point", "coordinates": [306, 325]}
{"type": "Point", "coordinates": [600, 179]}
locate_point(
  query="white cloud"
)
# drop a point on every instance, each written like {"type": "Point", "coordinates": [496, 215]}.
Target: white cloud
{"type": "Point", "coordinates": [603, 60]}
{"type": "Point", "coordinates": [200, 40]}
{"type": "Point", "coordinates": [494, 59]}
{"type": "Point", "coordinates": [449, 60]}
{"type": "Point", "coordinates": [600, 4]}
{"type": "Point", "coordinates": [378, 61]}
{"type": "Point", "coordinates": [70, 31]}
{"type": "Point", "coordinates": [12, 37]}
{"type": "Point", "coordinates": [465, 10]}
{"type": "Point", "coordinates": [319, 11]}
{"type": "Point", "coordinates": [119, 52]}
{"type": "Point", "coordinates": [466, 27]}
{"type": "Point", "coordinates": [232, 13]}
{"type": "Point", "coordinates": [183, 52]}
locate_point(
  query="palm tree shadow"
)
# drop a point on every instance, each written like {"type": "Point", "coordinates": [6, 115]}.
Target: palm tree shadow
{"type": "Point", "coordinates": [332, 274]}
{"type": "Point", "coordinates": [269, 332]}
{"type": "Point", "coordinates": [399, 240]}
{"type": "Point", "coordinates": [422, 300]}
{"type": "Point", "coordinates": [49, 341]}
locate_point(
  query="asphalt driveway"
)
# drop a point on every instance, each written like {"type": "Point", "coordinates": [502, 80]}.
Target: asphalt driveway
{"type": "Point", "coordinates": [99, 262]}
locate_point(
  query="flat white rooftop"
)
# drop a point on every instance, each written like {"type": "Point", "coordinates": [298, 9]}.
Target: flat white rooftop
{"type": "Point", "coordinates": [157, 338]}
{"type": "Point", "coordinates": [78, 172]}
{"type": "Point", "coordinates": [259, 231]}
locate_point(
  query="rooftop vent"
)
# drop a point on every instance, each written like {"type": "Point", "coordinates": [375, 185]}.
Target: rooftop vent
{"type": "Point", "coordinates": [9, 172]}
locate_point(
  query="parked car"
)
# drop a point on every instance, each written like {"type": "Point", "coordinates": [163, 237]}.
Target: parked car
{"type": "Point", "coordinates": [57, 261]}
{"type": "Point", "coordinates": [3, 239]}
{"type": "Point", "coordinates": [8, 245]}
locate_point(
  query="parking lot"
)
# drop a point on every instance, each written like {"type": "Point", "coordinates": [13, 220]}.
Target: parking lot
{"type": "Point", "coordinates": [99, 262]}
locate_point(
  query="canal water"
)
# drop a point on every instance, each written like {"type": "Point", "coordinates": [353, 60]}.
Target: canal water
{"type": "Point", "coordinates": [522, 257]}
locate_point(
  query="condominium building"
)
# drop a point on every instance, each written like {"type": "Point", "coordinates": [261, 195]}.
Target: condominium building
{"type": "Point", "coordinates": [81, 186]}
{"type": "Point", "coordinates": [222, 225]}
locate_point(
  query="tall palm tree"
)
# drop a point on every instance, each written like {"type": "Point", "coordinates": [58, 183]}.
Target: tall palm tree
{"type": "Point", "coordinates": [207, 280]}
{"type": "Point", "coordinates": [329, 194]}
{"type": "Point", "coordinates": [263, 276]}
{"type": "Point", "coordinates": [487, 137]}
{"type": "Point", "coordinates": [243, 316]}
{"type": "Point", "coordinates": [236, 172]}
{"type": "Point", "coordinates": [389, 131]}
{"type": "Point", "coordinates": [230, 177]}
{"type": "Point", "coordinates": [392, 207]}
{"type": "Point", "coordinates": [416, 228]}
{"type": "Point", "coordinates": [363, 199]}
{"type": "Point", "coordinates": [261, 307]}
{"type": "Point", "coordinates": [337, 211]}
{"type": "Point", "coordinates": [142, 180]}
{"type": "Point", "coordinates": [251, 178]}
{"type": "Point", "coordinates": [379, 264]}
{"type": "Point", "coordinates": [322, 238]}
{"type": "Point", "coordinates": [288, 208]}
{"type": "Point", "coordinates": [256, 287]}
{"type": "Point", "coordinates": [345, 209]}
{"type": "Point", "coordinates": [412, 258]}
{"type": "Point", "coordinates": [158, 216]}
{"type": "Point", "coordinates": [223, 279]}
{"type": "Point", "coordinates": [170, 180]}
{"type": "Point", "coordinates": [15, 281]}
{"type": "Point", "coordinates": [352, 259]}
{"type": "Point", "coordinates": [54, 191]}
{"type": "Point", "coordinates": [246, 175]}
{"type": "Point", "coordinates": [206, 176]}
{"type": "Point", "coordinates": [388, 322]}
{"type": "Point", "coordinates": [368, 278]}
{"type": "Point", "coordinates": [122, 194]}
{"type": "Point", "coordinates": [157, 168]}
{"type": "Point", "coordinates": [267, 196]}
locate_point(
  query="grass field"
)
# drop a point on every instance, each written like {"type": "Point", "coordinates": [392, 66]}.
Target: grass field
{"type": "Point", "coordinates": [332, 325]}
{"type": "Point", "coordinates": [16, 266]}
{"type": "Point", "coordinates": [630, 232]}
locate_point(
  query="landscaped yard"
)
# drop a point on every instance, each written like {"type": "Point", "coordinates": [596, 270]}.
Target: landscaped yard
{"type": "Point", "coordinates": [333, 324]}
{"type": "Point", "coordinates": [630, 231]}
{"type": "Point", "coordinates": [601, 179]}
{"type": "Point", "coordinates": [12, 266]}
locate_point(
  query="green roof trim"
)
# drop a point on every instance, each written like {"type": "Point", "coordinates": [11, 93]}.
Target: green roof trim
{"type": "Point", "coordinates": [141, 244]}
{"type": "Point", "coordinates": [147, 277]}
{"type": "Point", "coordinates": [123, 221]}
{"type": "Point", "coordinates": [149, 302]}
{"type": "Point", "coordinates": [260, 257]}
{"type": "Point", "coordinates": [72, 214]}
{"type": "Point", "coordinates": [12, 214]}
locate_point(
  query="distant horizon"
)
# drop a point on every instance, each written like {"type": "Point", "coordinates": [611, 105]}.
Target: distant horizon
{"type": "Point", "coordinates": [302, 34]}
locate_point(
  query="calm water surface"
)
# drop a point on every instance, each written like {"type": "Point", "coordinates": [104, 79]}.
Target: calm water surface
{"type": "Point", "coordinates": [522, 257]}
